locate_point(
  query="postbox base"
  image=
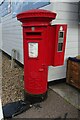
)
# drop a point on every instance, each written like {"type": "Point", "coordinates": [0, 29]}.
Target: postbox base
{"type": "Point", "coordinates": [35, 98]}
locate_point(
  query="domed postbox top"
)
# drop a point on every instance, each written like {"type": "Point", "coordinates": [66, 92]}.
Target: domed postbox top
{"type": "Point", "coordinates": [36, 17]}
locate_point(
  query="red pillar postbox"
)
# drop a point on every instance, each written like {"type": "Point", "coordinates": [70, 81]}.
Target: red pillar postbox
{"type": "Point", "coordinates": [39, 49]}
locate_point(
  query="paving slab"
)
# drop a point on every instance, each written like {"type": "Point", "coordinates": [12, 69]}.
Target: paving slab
{"type": "Point", "coordinates": [68, 92]}
{"type": "Point", "coordinates": [53, 107]}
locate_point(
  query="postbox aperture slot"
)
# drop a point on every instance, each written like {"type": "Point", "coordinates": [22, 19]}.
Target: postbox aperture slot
{"type": "Point", "coordinates": [60, 41]}
{"type": "Point", "coordinates": [33, 33]}
{"type": "Point", "coordinates": [33, 49]}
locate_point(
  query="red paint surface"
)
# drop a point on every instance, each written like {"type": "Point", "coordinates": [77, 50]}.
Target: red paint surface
{"type": "Point", "coordinates": [36, 69]}
{"type": "Point", "coordinates": [58, 57]}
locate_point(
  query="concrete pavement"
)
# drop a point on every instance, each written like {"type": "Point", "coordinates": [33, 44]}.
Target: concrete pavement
{"type": "Point", "coordinates": [53, 107]}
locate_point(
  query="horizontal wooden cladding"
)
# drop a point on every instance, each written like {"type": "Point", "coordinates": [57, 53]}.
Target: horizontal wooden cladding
{"type": "Point", "coordinates": [67, 16]}
{"type": "Point", "coordinates": [65, 11]}
{"type": "Point", "coordinates": [0, 36]}
{"type": "Point", "coordinates": [62, 6]}
{"type": "Point", "coordinates": [71, 45]}
{"type": "Point", "coordinates": [70, 23]}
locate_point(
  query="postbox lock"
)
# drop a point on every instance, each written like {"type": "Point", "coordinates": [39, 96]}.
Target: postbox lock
{"type": "Point", "coordinates": [41, 70]}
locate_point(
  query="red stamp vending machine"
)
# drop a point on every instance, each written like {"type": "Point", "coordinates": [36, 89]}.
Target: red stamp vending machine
{"type": "Point", "coordinates": [59, 33]}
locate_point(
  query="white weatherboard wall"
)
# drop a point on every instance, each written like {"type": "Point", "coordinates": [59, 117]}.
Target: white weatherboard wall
{"type": "Point", "coordinates": [66, 13]}
{"type": "Point", "coordinates": [0, 36]}
{"type": "Point", "coordinates": [12, 36]}
{"type": "Point", "coordinates": [79, 40]}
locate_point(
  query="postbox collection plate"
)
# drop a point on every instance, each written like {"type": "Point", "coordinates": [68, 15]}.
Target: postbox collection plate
{"type": "Point", "coordinates": [33, 49]}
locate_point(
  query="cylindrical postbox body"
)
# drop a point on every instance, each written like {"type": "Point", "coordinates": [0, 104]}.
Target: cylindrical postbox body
{"type": "Point", "coordinates": [36, 49]}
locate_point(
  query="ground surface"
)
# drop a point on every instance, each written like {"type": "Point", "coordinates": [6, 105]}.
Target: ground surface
{"type": "Point", "coordinates": [12, 90]}
{"type": "Point", "coordinates": [1, 114]}
{"type": "Point", "coordinates": [53, 107]}
{"type": "Point", "coordinates": [68, 92]}
{"type": "Point", "coordinates": [12, 81]}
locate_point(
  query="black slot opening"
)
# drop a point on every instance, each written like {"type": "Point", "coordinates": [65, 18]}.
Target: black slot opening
{"type": "Point", "coordinates": [60, 46]}
{"type": "Point", "coordinates": [61, 34]}
{"type": "Point", "coordinates": [33, 33]}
